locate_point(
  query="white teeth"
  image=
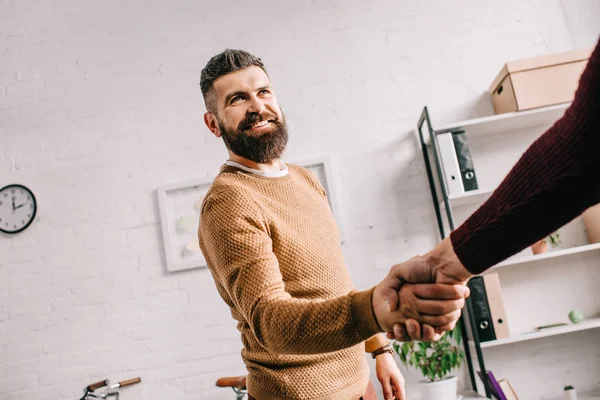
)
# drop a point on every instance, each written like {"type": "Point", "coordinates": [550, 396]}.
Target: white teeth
{"type": "Point", "coordinates": [259, 124]}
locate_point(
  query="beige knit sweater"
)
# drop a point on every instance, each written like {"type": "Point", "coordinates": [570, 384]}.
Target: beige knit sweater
{"type": "Point", "coordinates": [274, 251]}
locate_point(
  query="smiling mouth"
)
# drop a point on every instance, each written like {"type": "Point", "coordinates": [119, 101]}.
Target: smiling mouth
{"type": "Point", "coordinates": [260, 124]}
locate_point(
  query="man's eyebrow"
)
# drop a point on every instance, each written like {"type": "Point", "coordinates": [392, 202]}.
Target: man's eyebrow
{"type": "Point", "coordinates": [241, 92]}
{"type": "Point", "coordinates": [233, 94]}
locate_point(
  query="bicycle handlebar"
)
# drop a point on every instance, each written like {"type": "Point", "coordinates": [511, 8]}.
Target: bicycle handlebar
{"type": "Point", "coordinates": [131, 381]}
{"type": "Point", "coordinates": [97, 385]}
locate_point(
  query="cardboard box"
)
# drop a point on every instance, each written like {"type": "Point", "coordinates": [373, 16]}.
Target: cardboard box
{"type": "Point", "coordinates": [538, 81]}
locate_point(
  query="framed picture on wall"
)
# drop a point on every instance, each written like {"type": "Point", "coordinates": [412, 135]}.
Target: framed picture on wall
{"type": "Point", "coordinates": [179, 205]}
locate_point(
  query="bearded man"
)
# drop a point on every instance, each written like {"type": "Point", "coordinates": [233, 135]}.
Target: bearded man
{"type": "Point", "coordinates": [273, 248]}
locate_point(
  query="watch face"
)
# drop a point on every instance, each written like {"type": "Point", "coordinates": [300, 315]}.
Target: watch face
{"type": "Point", "coordinates": [17, 208]}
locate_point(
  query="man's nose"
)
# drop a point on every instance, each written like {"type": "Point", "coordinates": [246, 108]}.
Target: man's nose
{"type": "Point", "coordinates": [256, 105]}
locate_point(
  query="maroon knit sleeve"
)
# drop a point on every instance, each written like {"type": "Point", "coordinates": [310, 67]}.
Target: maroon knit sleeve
{"type": "Point", "coordinates": [555, 180]}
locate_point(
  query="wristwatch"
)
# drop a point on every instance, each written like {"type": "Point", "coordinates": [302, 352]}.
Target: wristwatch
{"type": "Point", "coordinates": [384, 349]}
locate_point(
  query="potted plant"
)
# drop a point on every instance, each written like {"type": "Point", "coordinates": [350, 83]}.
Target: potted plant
{"type": "Point", "coordinates": [570, 393]}
{"type": "Point", "coordinates": [541, 246]}
{"type": "Point", "coordinates": [435, 361]}
{"type": "Point", "coordinates": [554, 239]}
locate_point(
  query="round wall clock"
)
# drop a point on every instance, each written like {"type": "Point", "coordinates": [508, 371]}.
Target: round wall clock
{"type": "Point", "coordinates": [18, 207]}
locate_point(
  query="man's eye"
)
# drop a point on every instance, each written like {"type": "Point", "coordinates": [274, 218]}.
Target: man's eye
{"type": "Point", "coordinates": [236, 99]}
{"type": "Point", "coordinates": [264, 91]}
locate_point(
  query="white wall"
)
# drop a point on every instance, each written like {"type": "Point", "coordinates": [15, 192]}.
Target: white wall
{"type": "Point", "coordinates": [100, 104]}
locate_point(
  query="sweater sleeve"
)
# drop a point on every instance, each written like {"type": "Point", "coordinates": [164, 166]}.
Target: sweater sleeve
{"type": "Point", "coordinates": [235, 240]}
{"type": "Point", "coordinates": [555, 180]}
{"type": "Point", "coordinates": [375, 342]}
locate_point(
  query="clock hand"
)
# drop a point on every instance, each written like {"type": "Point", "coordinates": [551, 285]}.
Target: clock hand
{"type": "Point", "coordinates": [13, 201]}
{"type": "Point", "coordinates": [19, 206]}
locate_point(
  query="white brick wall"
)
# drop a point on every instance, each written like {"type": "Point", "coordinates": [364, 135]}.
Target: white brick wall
{"type": "Point", "coordinates": [99, 105]}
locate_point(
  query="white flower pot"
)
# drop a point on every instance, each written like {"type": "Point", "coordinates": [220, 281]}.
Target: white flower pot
{"type": "Point", "coordinates": [571, 394]}
{"type": "Point", "coordinates": [439, 390]}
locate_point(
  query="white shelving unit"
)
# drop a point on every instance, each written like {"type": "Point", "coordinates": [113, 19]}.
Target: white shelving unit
{"type": "Point", "coordinates": [537, 289]}
{"type": "Point", "coordinates": [469, 198]}
{"type": "Point", "coordinates": [509, 121]}
{"type": "Point", "coordinates": [546, 256]}
{"type": "Point", "coordinates": [591, 323]}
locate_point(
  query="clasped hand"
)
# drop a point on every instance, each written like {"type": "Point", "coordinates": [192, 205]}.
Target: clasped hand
{"type": "Point", "coordinates": [422, 298]}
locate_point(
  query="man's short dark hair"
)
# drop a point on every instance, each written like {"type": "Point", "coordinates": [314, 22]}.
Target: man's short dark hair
{"type": "Point", "coordinates": [222, 64]}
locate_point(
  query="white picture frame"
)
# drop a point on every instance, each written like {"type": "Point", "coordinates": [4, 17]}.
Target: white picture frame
{"type": "Point", "coordinates": [179, 205]}
{"type": "Point", "coordinates": [320, 166]}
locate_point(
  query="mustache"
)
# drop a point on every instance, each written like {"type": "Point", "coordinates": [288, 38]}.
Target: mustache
{"type": "Point", "coordinates": [253, 118]}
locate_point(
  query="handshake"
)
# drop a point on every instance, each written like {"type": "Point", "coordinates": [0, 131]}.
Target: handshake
{"type": "Point", "coordinates": [422, 298]}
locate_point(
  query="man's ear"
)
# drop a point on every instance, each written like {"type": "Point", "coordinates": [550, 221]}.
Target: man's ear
{"type": "Point", "coordinates": [211, 122]}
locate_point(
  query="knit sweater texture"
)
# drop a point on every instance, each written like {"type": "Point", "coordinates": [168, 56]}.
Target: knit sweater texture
{"type": "Point", "coordinates": [273, 248]}
{"type": "Point", "coordinates": [555, 180]}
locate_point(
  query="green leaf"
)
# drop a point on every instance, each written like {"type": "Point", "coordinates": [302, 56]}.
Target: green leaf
{"type": "Point", "coordinates": [446, 363]}
{"type": "Point", "coordinates": [431, 375]}
{"type": "Point", "coordinates": [453, 359]}
{"type": "Point", "coordinates": [406, 347]}
{"type": "Point", "coordinates": [457, 334]}
{"type": "Point", "coordinates": [413, 359]}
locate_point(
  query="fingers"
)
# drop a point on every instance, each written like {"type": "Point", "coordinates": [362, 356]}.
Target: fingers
{"type": "Point", "coordinates": [440, 291]}
{"type": "Point", "coordinates": [423, 333]}
{"type": "Point", "coordinates": [414, 270]}
{"type": "Point", "coordinates": [440, 314]}
{"type": "Point", "coordinates": [446, 328]}
{"type": "Point", "coordinates": [398, 385]}
{"type": "Point", "coordinates": [438, 307]}
{"type": "Point", "coordinates": [413, 328]}
{"type": "Point", "coordinates": [391, 284]}
{"type": "Point", "coordinates": [439, 321]}
{"type": "Point", "coordinates": [390, 296]}
{"type": "Point", "coordinates": [399, 333]}
{"type": "Point", "coordinates": [386, 387]}
{"type": "Point", "coordinates": [430, 334]}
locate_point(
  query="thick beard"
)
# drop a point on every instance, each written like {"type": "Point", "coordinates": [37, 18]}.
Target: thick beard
{"type": "Point", "coordinates": [264, 148]}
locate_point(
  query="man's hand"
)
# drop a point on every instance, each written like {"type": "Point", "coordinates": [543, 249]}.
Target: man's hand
{"type": "Point", "coordinates": [390, 377]}
{"type": "Point", "coordinates": [440, 265]}
{"type": "Point", "coordinates": [415, 303]}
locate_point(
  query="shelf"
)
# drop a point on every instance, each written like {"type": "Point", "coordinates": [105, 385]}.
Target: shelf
{"type": "Point", "coordinates": [467, 395]}
{"type": "Point", "coordinates": [591, 395]}
{"type": "Point", "coordinates": [469, 198]}
{"type": "Point", "coordinates": [546, 256]}
{"type": "Point", "coordinates": [509, 121]}
{"type": "Point", "coordinates": [591, 323]}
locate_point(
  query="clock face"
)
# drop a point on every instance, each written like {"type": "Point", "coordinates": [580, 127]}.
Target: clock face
{"type": "Point", "coordinates": [17, 208]}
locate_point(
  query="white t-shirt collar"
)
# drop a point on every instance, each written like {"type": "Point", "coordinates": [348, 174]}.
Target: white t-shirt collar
{"type": "Point", "coordinates": [283, 169]}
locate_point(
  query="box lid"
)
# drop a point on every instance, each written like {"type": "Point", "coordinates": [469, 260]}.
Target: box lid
{"type": "Point", "coordinates": [540, 62]}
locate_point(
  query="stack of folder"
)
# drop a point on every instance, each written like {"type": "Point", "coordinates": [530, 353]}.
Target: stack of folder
{"type": "Point", "coordinates": [488, 308]}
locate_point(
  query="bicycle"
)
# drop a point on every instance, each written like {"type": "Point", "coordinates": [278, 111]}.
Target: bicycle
{"type": "Point", "coordinates": [88, 392]}
{"type": "Point", "coordinates": [237, 383]}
